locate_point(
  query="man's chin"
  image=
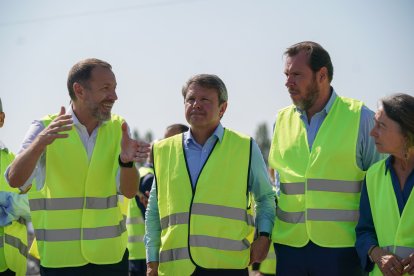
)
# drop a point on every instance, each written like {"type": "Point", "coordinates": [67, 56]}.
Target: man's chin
{"type": "Point", "coordinates": [103, 117]}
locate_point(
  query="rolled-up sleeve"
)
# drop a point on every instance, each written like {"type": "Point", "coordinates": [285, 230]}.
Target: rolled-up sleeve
{"type": "Point", "coordinates": [263, 193]}
{"type": "Point", "coordinates": [152, 237]}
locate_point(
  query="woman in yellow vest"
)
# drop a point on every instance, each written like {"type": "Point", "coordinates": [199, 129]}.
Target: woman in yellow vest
{"type": "Point", "coordinates": [385, 231]}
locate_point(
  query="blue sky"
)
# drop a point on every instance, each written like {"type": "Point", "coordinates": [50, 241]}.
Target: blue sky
{"type": "Point", "coordinates": [155, 46]}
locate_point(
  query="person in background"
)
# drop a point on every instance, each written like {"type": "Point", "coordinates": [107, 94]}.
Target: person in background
{"type": "Point", "coordinates": [199, 217]}
{"type": "Point", "coordinates": [136, 211]}
{"type": "Point", "coordinates": [14, 213]}
{"type": "Point", "coordinates": [385, 230]}
{"type": "Point", "coordinates": [320, 150]}
{"type": "Point", "coordinates": [80, 160]}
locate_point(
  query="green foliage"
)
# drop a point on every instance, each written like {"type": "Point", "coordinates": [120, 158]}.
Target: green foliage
{"type": "Point", "coordinates": [263, 140]}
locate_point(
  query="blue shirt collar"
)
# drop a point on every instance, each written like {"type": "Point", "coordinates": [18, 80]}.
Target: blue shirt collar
{"type": "Point", "coordinates": [388, 164]}
{"type": "Point", "coordinates": [328, 105]}
{"type": "Point", "coordinates": [218, 133]}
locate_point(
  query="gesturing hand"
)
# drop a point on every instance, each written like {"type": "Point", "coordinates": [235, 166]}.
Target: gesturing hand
{"type": "Point", "coordinates": [132, 150]}
{"type": "Point", "coordinates": [61, 123]}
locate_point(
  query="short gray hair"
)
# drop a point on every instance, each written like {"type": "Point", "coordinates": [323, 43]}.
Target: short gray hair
{"type": "Point", "coordinates": [208, 81]}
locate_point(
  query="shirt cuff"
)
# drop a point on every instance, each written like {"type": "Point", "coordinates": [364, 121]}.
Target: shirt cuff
{"type": "Point", "coordinates": [152, 254]}
{"type": "Point", "coordinates": [265, 226]}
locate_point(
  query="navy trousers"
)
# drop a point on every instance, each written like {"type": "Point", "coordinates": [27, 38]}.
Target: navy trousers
{"type": "Point", "coordinates": [313, 260]}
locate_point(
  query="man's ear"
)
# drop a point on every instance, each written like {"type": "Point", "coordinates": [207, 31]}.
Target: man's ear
{"type": "Point", "coordinates": [2, 117]}
{"type": "Point", "coordinates": [223, 108]}
{"type": "Point", "coordinates": [78, 90]}
{"type": "Point", "coordinates": [323, 74]}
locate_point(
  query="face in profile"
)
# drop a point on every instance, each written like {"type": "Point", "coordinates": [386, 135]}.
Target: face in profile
{"type": "Point", "coordinates": [387, 134]}
{"type": "Point", "coordinates": [301, 81]}
{"type": "Point", "coordinates": [100, 93]}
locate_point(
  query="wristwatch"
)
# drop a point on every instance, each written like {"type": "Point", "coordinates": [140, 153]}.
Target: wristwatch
{"type": "Point", "coordinates": [125, 165]}
{"type": "Point", "coordinates": [265, 234]}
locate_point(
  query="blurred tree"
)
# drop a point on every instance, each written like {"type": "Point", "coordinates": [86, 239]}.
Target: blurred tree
{"type": "Point", "coordinates": [149, 137]}
{"type": "Point", "coordinates": [263, 140]}
{"type": "Point", "coordinates": [135, 134]}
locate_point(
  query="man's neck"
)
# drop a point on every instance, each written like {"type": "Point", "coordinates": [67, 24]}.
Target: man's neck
{"type": "Point", "coordinates": [320, 103]}
{"type": "Point", "coordinates": [201, 135]}
{"type": "Point", "coordinates": [86, 120]}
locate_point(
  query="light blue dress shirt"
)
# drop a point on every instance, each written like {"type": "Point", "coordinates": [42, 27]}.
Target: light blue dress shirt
{"type": "Point", "coordinates": [196, 155]}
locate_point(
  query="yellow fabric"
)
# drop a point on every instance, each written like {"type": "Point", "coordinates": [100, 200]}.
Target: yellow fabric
{"type": "Point", "coordinates": [332, 158]}
{"type": "Point", "coordinates": [392, 229]}
{"type": "Point", "coordinates": [268, 266]}
{"type": "Point", "coordinates": [69, 175]}
{"type": "Point", "coordinates": [10, 257]}
{"type": "Point", "coordinates": [34, 251]}
{"type": "Point", "coordinates": [136, 248]}
{"type": "Point", "coordinates": [225, 171]}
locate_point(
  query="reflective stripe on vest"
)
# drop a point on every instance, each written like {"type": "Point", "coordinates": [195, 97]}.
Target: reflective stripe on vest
{"type": "Point", "coordinates": [105, 232]}
{"type": "Point", "coordinates": [135, 238]}
{"type": "Point", "coordinates": [338, 186]}
{"type": "Point", "coordinates": [318, 215]}
{"type": "Point", "coordinates": [208, 210]}
{"type": "Point", "coordinates": [136, 220]}
{"type": "Point", "coordinates": [73, 203]}
{"type": "Point", "coordinates": [16, 243]}
{"type": "Point", "coordinates": [218, 243]}
{"type": "Point", "coordinates": [320, 187]}
{"type": "Point", "coordinates": [174, 255]}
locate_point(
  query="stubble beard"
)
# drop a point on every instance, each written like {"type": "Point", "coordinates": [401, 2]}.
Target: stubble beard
{"type": "Point", "coordinates": [312, 94]}
{"type": "Point", "coordinates": [96, 112]}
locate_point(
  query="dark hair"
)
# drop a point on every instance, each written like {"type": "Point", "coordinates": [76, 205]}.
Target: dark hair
{"type": "Point", "coordinates": [400, 108]}
{"type": "Point", "coordinates": [210, 82]}
{"type": "Point", "coordinates": [81, 73]}
{"type": "Point", "coordinates": [318, 56]}
{"type": "Point", "coordinates": [180, 127]}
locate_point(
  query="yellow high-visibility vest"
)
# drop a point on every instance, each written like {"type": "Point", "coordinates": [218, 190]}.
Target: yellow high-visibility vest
{"type": "Point", "coordinates": [268, 266]}
{"type": "Point", "coordinates": [136, 225]}
{"type": "Point", "coordinates": [76, 215]}
{"type": "Point", "coordinates": [395, 232]}
{"type": "Point", "coordinates": [13, 238]}
{"type": "Point", "coordinates": [320, 189]}
{"type": "Point", "coordinates": [212, 225]}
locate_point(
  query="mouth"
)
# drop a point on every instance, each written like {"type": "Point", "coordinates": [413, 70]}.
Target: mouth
{"type": "Point", "coordinates": [293, 92]}
{"type": "Point", "coordinates": [108, 106]}
{"type": "Point", "coordinates": [196, 114]}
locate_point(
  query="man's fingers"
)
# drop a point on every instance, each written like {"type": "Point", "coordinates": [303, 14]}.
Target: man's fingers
{"type": "Point", "coordinates": [62, 110]}
{"type": "Point", "coordinates": [125, 129]}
